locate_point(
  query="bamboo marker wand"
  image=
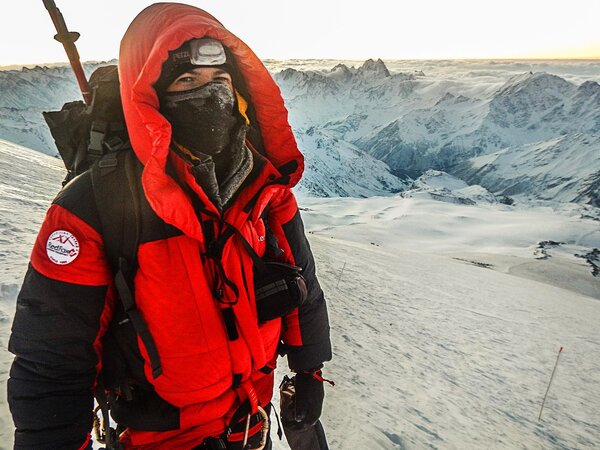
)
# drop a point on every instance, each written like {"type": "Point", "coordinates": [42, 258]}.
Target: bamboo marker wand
{"type": "Point", "coordinates": [341, 273]}
{"type": "Point", "coordinates": [550, 383]}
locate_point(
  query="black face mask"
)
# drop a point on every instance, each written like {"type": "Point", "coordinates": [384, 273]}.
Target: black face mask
{"type": "Point", "coordinates": [202, 118]}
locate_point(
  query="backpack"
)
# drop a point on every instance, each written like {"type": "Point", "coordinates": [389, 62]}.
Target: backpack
{"type": "Point", "coordinates": [85, 133]}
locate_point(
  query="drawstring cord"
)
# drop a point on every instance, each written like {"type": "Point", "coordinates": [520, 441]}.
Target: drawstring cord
{"type": "Point", "coordinates": [318, 375]}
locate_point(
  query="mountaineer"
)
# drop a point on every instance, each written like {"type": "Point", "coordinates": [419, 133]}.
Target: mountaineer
{"type": "Point", "coordinates": [166, 280]}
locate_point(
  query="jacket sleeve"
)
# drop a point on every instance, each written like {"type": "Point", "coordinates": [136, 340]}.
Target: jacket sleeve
{"type": "Point", "coordinates": [63, 309]}
{"type": "Point", "coordinates": [306, 329]}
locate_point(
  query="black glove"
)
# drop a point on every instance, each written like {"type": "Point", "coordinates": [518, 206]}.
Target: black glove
{"type": "Point", "coordinates": [306, 407]}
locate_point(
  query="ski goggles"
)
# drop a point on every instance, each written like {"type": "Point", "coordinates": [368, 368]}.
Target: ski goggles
{"type": "Point", "coordinates": [200, 52]}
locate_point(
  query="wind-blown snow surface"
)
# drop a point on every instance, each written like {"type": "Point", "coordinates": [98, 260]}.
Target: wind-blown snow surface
{"type": "Point", "coordinates": [432, 353]}
{"type": "Point", "coordinates": [432, 349]}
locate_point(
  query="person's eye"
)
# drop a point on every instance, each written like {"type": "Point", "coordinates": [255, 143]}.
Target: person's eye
{"type": "Point", "coordinates": [223, 79]}
{"type": "Point", "coordinates": [185, 79]}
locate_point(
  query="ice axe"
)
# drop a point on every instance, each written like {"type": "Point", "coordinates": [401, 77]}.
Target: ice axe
{"type": "Point", "coordinates": [67, 39]}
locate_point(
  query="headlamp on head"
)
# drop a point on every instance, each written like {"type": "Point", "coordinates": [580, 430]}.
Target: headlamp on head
{"type": "Point", "coordinates": [199, 52]}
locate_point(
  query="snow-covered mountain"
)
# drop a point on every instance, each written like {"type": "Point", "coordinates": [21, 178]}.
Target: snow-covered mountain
{"type": "Point", "coordinates": [527, 109]}
{"type": "Point", "coordinates": [25, 93]}
{"type": "Point", "coordinates": [445, 187]}
{"type": "Point", "coordinates": [368, 130]}
{"type": "Point", "coordinates": [415, 123]}
{"type": "Point", "coordinates": [410, 122]}
{"type": "Point", "coordinates": [338, 168]}
{"type": "Point", "coordinates": [346, 100]}
{"type": "Point", "coordinates": [446, 321]}
{"type": "Point", "coordinates": [334, 167]}
{"type": "Point", "coordinates": [565, 168]}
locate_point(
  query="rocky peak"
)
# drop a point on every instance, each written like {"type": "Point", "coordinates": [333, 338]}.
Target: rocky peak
{"type": "Point", "coordinates": [534, 82]}
{"type": "Point", "coordinates": [289, 74]}
{"type": "Point", "coordinates": [341, 67]}
{"type": "Point", "coordinates": [374, 68]}
{"type": "Point", "coordinates": [452, 99]}
{"type": "Point", "coordinates": [447, 97]}
{"type": "Point", "coordinates": [341, 72]}
{"type": "Point", "coordinates": [589, 88]}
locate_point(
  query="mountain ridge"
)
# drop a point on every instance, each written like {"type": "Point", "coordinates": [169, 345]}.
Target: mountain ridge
{"type": "Point", "coordinates": [398, 124]}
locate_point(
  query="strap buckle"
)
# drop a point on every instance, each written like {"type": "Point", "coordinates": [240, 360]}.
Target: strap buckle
{"type": "Point", "coordinates": [97, 132]}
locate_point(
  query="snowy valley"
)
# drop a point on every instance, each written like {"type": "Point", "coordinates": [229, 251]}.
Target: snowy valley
{"type": "Point", "coordinates": [453, 208]}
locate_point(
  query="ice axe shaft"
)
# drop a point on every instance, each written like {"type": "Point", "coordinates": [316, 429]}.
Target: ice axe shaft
{"type": "Point", "coordinates": [67, 39]}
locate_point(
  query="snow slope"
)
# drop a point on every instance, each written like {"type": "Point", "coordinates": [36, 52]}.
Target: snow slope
{"type": "Point", "coordinates": [337, 168]}
{"type": "Point", "coordinates": [435, 353]}
{"type": "Point", "coordinates": [432, 348]}
{"type": "Point", "coordinates": [29, 181]}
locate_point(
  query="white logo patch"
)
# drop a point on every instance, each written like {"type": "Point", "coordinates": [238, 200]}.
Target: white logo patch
{"type": "Point", "coordinates": [62, 247]}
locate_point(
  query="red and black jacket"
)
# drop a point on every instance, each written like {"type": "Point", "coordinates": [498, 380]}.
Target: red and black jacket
{"type": "Point", "coordinates": [68, 300]}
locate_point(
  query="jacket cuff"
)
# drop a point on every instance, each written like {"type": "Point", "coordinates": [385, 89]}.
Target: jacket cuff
{"type": "Point", "coordinates": [50, 440]}
{"type": "Point", "coordinates": [308, 357]}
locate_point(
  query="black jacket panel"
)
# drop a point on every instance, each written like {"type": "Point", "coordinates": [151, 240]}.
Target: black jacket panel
{"type": "Point", "coordinates": [53, 335]}
{"type": "Point", "coordinates": [78, 197]}
{"type": "Point", "coordinates": [314, 322]}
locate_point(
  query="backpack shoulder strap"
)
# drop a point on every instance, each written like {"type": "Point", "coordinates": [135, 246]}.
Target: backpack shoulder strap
{"type": "Point", "coordinates": [116, 194]}
{"type": "Point", "coordinates": [116, 181]}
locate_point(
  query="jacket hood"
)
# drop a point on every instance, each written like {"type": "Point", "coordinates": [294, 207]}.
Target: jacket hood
{"type": "Point", "coordinates": [163, 27]}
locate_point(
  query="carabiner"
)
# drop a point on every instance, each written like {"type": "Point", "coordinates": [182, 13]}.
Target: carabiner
{"type": "Point", "coordinates": [264, 431]}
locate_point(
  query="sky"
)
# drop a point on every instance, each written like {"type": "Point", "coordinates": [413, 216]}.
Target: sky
{"type": "Point", "coordinates": [329, 29]}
